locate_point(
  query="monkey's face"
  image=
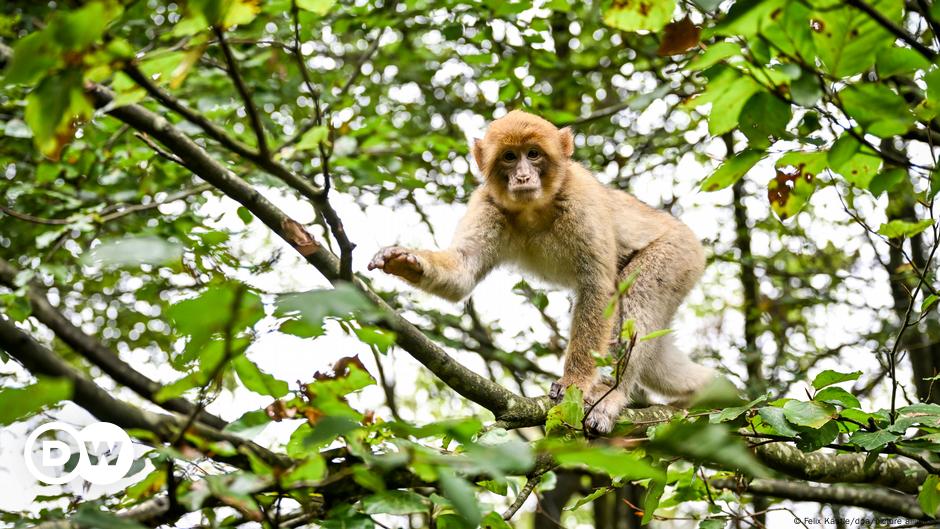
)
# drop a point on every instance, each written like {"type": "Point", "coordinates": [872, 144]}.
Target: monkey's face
{"type": "Point", "coordinates": [523, 159]}
{"type": "Point", "coordinates": [522, 168]}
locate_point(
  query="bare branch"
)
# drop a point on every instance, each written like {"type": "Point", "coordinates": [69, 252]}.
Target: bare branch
{"type": "Point", "coordinates": [236, 76]}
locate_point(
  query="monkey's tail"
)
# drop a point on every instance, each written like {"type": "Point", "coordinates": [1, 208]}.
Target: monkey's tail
{"type": "Point", "coordinates": [673, 374]}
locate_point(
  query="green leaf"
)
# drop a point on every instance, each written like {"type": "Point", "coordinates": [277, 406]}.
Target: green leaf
{"type": "Point", "coordinates": [649, 15]}
{"type": "Point", "coordinates": [860, 169]}
{"type": "Point", "coordinates": [90, 516]}
{"type": "Point", "coordinates": [723, 116]}
{"type": "Point", "coordinates": [709, 443]}
{"type": "Point", "coordinates": [307, 438]}
{"type": "Point", "coordinates": [654, 492]}
{"type": "Point", "coordinates": [588, 498]}
{"type": "Point", "coordinates": [313, 307]}
{"type": "Point", "coordinates": [19, 403]}
{"type": "Point", "coordinates": [732, 413]}
{"type": "Point", "coordinates": [886, 180]}
{"type": "Point", "coordinates": [713, 523]}
{"type": "Point", "coordinates": [732, 170]}
{"type": "Point", "coordinates": [249, 424]}
{"type": "Point", "coordinates": [53, 108]}
{"type": "Point", "coordinates": [245, 214]}
{"type": "Point", "coordinates": [895, 60]}
{"type": "Point", "coordinates": [566, 414]}
{"type": "Point", "coordinates": [843, 150]}
{"type": "Point", "coordinates": [873, 440]}
{"type": "Point", "coordinates": [877, 109]}
{"type": "Point", "coordinates": [616, 463]}
{"type": "Point", "coordinates": [655, 334]}
{"type": "Point", "coordinates": [901, 228]}
{"type": "Point", "coordinates": [763, 119]}
{"type": "Point", "coordinates": [811, 414]}
{"type": "Point", "coordinates": [33, 56]}
{"type": "Point", "coordinates": [715, 53]}
{"type": "Point", "coordinates": [313, 138]}
{"type": "Point", "coordinates": [929, 496]}
{"type": "Point", "coordinates": [812, 439]}
{"type": "Point", "coordinates": [258, 381]}
{"type": "Point", "coordinates": [494, 520]}
{"type": "Point", "coordinates": [319, 7]}
{"type": "Point", "coordinates": [395, 502]}
{"type": "Point", "coordinates": [461, 494]}
{"type": "Point", "coordinates": [830, 377]}
{"type": "Point", "coordinates": [381, 338]}
{"type": "Point", "coordinates": [133, 251]}
{"type": "Point", "coordinates": [790, 31]}
{"type": "Point", "coordinates": [933, 85]}
{"type": "Point", "coordinates": [311, 470]}
{"type": "Point", "coordinates": [717, 393]}
{"type": "Point", "coordinates": [745, 18]}
{"type": "Point", "coordinates": [805, 89]}
{"type": "Point", "coordinates": [210, 312]}
{"type": "Point", "coordinates": [928, 302]}
{"type": "Point", "coordinates": [848, 40]}
{"type": "Point", "coordinates": [837, 395]}
{"type": "Point", "coordinates": [774, 417]}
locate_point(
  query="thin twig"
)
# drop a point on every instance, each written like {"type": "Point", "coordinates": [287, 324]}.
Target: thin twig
{"type": "Point", "coordinates": [35, 220]}
{"type": "Point", "coordinates": [236, 76]}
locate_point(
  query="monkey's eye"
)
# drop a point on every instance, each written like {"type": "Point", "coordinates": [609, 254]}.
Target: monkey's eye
{"type": "Point", "coordinates": [533, 154]}
{"type": "Point", "coordinates": [509, 156]}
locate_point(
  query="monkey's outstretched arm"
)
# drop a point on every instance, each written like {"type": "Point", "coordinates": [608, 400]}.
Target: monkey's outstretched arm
{"type": "Point", "coordinates": [451, 273]}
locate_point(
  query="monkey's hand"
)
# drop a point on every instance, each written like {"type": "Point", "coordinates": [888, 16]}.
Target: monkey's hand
{"type": "Point", "coordinates": [398, 261]}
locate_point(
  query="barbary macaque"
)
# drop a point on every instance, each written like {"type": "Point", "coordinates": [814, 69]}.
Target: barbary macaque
{"type": "Point", "coordinates": [539, 209]}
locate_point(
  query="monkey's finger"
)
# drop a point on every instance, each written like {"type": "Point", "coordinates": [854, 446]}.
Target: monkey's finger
{"type": "Point", "coordinates": [556, 392]}
{"type": "Point", "coordinates": [376, 262]}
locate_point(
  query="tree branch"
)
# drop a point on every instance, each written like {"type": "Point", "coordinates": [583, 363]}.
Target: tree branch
{"type": "Point", "coordinates": [845, 468]}
{"type": "Point", "coordinates": [879, 500]}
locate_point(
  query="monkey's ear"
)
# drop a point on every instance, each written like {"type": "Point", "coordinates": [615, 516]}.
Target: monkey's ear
{"type": "Point", "coordinates": [567, 141]}
{"type": "Point", "coordinates": [478, 152]}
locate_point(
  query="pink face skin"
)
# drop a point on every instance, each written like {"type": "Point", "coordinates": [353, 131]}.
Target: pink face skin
{"type": "Point", "coordinates": [522, 167]}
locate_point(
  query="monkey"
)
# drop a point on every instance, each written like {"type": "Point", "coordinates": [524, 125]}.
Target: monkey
{"type": "Point", "coordinates": [542, 211]}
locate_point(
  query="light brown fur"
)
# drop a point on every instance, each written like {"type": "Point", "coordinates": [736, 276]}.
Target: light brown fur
{"type": "Point", "coordinates": [544, 212]}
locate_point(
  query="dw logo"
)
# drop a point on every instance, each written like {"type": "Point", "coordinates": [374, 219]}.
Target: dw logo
{"type": "Point", "coordinates": [106, 443]}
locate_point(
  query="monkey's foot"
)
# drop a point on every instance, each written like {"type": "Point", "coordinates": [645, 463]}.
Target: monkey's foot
{"type": "Point", "coordinates": [556, 392]}
{"type": "Point", "coordinates": [398, 261]}
{"type": "Point", "coordinates": [603, 407]}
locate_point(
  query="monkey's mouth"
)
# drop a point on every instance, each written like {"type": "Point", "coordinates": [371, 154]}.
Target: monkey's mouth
{"type": "Point", "coordinates": [525, 191]}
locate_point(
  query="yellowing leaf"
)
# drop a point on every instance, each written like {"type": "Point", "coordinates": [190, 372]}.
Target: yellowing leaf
{"type": "Point", "coordinates": [319, 7]}
{"type": "Point", "coordinates": [639, 15]}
